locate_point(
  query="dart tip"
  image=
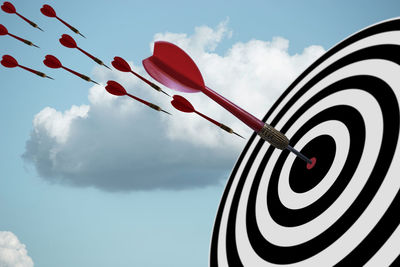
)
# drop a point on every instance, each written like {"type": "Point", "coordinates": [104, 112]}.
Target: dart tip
{"type": "Point", "coordinates": [94, 82]}
{"type": "Point", "coordinates": [49, 77]}
{"type": "Point", "coordinates": [39, 28]}
{"type": "Point", "coordinates": [166, 112]}
{"type": "Point", "coordinates": [239, 135]}
{"type": "Point", "coordinates": [82, 35]}
{"type": "Point", "coordinates": [35, 45]}
{"type": "Point", "coordinates": [106, 66]}
{"type": "Point", "coordinates": [166, 93]}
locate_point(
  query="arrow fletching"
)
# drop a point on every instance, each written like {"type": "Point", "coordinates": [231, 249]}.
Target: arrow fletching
{"type": "Point", "coordinates": [115, 88]}
{"type": "Point", "coordinates": [182, 104]}
{"type": "Point", "coordinates": [9, 62]}
{"type": "Point", "coordinates": [52, 62]}
{"type": "Point", "coordinates": [120, 64]}
{"type": "Point", "coordinates": [48, 11]}
{"type": "Point", "coordinates": [172, 67]}
{"type": "Point", "coordinates": [3, 30]}
{"type": "Point", "coordinates": [8, 8]}
{"type": "Point", "coordinates": [68, 41]}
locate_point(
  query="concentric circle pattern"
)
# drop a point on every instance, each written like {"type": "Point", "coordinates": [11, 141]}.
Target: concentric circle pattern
{"type": "Point", "coordinates": [344, 111]}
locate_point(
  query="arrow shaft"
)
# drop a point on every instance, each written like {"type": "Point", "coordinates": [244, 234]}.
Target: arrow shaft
{"type": "Point", "coordinates": [87, 54]}
{"type": "Point", "coordinates": [27, 20]}
{"type": "Point", "coordinates": [237, 111]}
{"type": "Point", "coordinates": [142, 78]}
{"type": "Point", "coordinates": [208, 118]}
{"type": "Point", "coordinates": [72, 71]}
{"type": "Point", "coordinates": [31, 70]}
{"type": "Point", "coordinates": [18, 38]}
{"type": "Point", "coordinates": [139, 99]}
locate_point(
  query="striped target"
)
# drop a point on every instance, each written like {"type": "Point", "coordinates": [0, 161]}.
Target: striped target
{"type": "Point", "coordinates": [344, 111]}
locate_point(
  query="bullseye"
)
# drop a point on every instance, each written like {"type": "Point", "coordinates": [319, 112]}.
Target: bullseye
{"type": "Point", "coordinates": [312, 164]}
{"type": "Point", "coordinates": [303, 178]}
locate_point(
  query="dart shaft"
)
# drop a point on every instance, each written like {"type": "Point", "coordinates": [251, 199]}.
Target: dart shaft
{"type": "Point", "coordinates": [291, 149]}
{"type": "Point", "coordinates": [237, 111]}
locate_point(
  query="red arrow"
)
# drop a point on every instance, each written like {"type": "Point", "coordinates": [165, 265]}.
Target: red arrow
{"type": "Point", "coordinates": [115, 88]}
{"type": "Point", "coordinates": [10, 62]}
{"type": "Point", "coordinates": [69, 42]}
{"type": "Point", "coordinates": [182, 104]}
{"type": "Point", "coordinates": [172, 67]}
{"type": "Point", "coordinates": [4, 31]}
{"type": "Point", "coordinates": [53, 62]}
{"type": "Point", "coordinates": [50, 12]}
{"type": "Point", "coordinates": [9, 8]}
{"type": "Point", "coordinates": [120, 64]}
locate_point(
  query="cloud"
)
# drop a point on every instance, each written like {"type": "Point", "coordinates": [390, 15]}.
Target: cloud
{"type": "Point", "coordinates": [12, 252]}
{"type": "Point", "coordinates": [116, 144]}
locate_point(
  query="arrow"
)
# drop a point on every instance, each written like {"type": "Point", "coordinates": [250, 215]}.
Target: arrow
{"type": "Point", "coordinates": [10, 62]}
{"type": "Point", "coordinates": [50, 12]}
{"type": "Point", "coordinates": [120, 64]}
{"type": "Point", "coordinates": [53, 62]}
{"type": "Point", "coordinates": [115, 88]}
{"type": "Point", "coordinates": [172, 67]}
{"type": "Point", "coordinates": [4, 31]}
{"type": "Point", "coordinates": [182, 104]}
{"type": "Point", "coordinates": [10, 9]}
{"type": "Point", "coordinates": [69, 42]}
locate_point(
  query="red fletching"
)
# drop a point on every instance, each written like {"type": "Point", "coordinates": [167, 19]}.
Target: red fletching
{"type": "Point", "coordinates": [48, 11]}
{"type": "Point", "coordinates": [9, 62]}
{"type": "Point", "coordinates": [3, 30]}
{"type": "Point", "coordinates": [115, 88]}
{"type": "Point", "coordinates": [68, 41]}
{"type": "Point", "coordinates": [120, 64]}
{"type": "Point", "coordinates": [8, 8]}
{"type": "Point", "coordinates": [182, 104]}
{"type": "Point", "coordinates": [52, 62]}
{"type": "Point", "coordinates": [172, 67]}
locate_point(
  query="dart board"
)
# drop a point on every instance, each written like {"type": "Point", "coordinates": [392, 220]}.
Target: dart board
{"type": "Point", "coordinates": [344, 111]}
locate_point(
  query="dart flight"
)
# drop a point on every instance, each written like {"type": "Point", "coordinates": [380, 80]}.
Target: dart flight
{"type": "Point", "coordinates": [120, 64]}
{"type": "Point", "coordinates": [69, 42]}
{"type": "Point", "coordinates": [48, 11]}
{"type": "Point", "coordinates": [182, 104]}
{"type": "Point", "coordinates": [172, 67]}
{"type": "Point", "coordinates": [115, 88]}
{"type": "Point", "coordinates": [4, 31]}
{"type": "Point", "coordinates": [53, 62]}
{"type": "Point", "coordinates": [10, 9]}
{"type": "Point", "coordinates": [10, 62]}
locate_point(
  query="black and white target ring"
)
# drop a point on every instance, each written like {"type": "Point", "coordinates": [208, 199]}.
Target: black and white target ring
{"type": "Point", "coordinates": [345, 210]}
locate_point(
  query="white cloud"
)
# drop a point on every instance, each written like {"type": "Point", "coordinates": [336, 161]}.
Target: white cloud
{"type": "Point", "coordinates": [12, 252]}
{"type": "Point", "coordinates": [118, 144]}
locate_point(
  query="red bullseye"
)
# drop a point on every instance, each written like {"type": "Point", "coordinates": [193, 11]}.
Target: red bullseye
{"type": "Point", "coordinates": [312, 164]}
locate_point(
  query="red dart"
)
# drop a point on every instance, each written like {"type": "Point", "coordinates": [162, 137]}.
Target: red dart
{"type": "Point", "coordinates": [10, 62]}
{"type": "Point", "coordinates": [172, 67]}
{"type": "Point", "coordinates": [53, 62]}
{"type": "Point", "coordinates": [9, 8]}
{"type": "Point", "coordinates": [69, 42]}
{"type": "Point", "coordinates": [115, 88]}
{"type": "Point", "coordinates": [50, 12]}
{"type": "Point", "coordinates": [120, 64]}
{"type": "Point", "coordinates": [4, 31]}
{"type": "Point", "coordinates": [182, 104]}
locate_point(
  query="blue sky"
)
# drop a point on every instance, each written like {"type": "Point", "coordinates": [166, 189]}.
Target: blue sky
{"type": "Point", "coordinates": [111, 183]}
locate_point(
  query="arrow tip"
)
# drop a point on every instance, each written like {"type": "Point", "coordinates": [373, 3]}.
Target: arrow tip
{"type": "Point", "coordinates": [166, 112]}
{"type": "Point", "coordinates": [239, 135]}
